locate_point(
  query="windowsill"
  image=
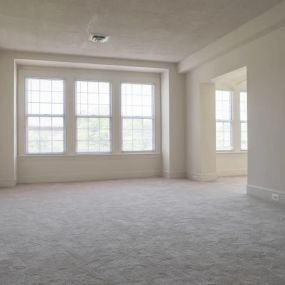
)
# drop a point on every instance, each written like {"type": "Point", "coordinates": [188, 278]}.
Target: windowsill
{"type": "Point", "coordinates": [91, 155]}
{"type": "Point", "coordinates": [232, 152]}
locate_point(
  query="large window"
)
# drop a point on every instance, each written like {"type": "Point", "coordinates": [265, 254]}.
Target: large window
{"type": "Point", "coordinates": [93, 116]}
{"type": "Point", "coordinates": [243, 120]}
{"type": "Point", "coordinates": [87, 113]}
{"type": "Point", "coordinates": [137, 111]}
{"type": "Point", "coordinates": [223, 120]}
{"type": "Point", "coordinates": [44, 116]}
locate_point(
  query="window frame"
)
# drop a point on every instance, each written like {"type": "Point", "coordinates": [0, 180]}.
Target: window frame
{"type": "Point", "coordinates": [226, 121]}
{"type": "Point", "coordinates": [153, 118]}
{"type": "Point", "coordinates": [92, 116]}
{"type": "Point", "coordinates": [70, 76]}
{"type": "Point", "coordinates": [26, 116]}
{"type": "Point", "coordinates": [243, 121]}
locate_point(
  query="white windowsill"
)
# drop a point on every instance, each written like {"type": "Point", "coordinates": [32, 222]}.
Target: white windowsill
{"type": "Point", "coordinates": [232, 152]}
{"type": "Point", "coordinates": [92, 156]}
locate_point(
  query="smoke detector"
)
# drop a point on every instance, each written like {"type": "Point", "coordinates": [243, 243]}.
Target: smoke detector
{"type": "Point", "coordinates": [98, 38]}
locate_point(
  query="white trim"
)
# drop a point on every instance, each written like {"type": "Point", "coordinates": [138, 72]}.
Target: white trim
{"type": "Point", "coordinates": [203, 177]}
{"type": "Point", "coordinates": [91, 176]}
{"type": "Point", "coordinates": [232, 172]}
{"type": "Point", "coordinates": [256, 28]}
{"type": "Point", "coordinates": [90, 156]}
{"type": "Point", "coordinates": [265, 193]}
{"type": "Point", "coordinates": [174, 175]}
{"type": "Point", "coordinates": [7, 183]}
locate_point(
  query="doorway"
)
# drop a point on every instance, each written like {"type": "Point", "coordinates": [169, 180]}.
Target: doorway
{"type": "Point", "coordinates": [231, 123]}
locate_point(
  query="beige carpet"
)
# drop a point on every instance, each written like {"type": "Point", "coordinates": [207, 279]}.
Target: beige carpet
{"type": "Point", "coordinates": [153, 231]}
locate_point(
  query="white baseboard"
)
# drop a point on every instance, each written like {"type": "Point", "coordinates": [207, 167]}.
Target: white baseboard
{"type": "Point", "coordinates": [232, 172]}
{"type": "Point", "coordinates": [265, 193]}
{"type": "Point", "coordinates": [75, 177]}
{"type": "Point", "coordinates": [7, 183]}
{"type": "Point", "coordinates": [203, 177]}
{"type": "Point", "coordinates": [174, 175]}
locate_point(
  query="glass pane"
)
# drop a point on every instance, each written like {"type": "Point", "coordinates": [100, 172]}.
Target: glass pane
{"type": "Point", "coordinates": [44, 96]}
{"type": "Point", "coordinates": [137, 134]}
{"type": "Point", "coordinates": [223, 136]}
{"type": "Point", "coordinates": [93, 98]}
{"type": "Point", "coordinates": [243, 128]}
{"type": "Point", "coordinates": [45, 135]}
{"type": "Point", "coordinates": [93, 135]}
{"type": "Point", "coordinates": [223, 105]}
{"type": "Point", "coordinates": [243, 106]}
{"type": "Point", "coordinates": [137, 100]}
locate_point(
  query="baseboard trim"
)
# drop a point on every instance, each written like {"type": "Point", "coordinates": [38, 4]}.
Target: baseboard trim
{"type": "Point", "coordinates": [7, 183]}
{"type": "Point", "coordinates": [174, 175]}
{"type": "Point", "coordinates": [75, 177]}
{"type": "Point", "coordinates": [232, 172]}
{"type": "Point", "coordinates": [265, 193]}
{"type": "Point", "coordinates": [203, 177]}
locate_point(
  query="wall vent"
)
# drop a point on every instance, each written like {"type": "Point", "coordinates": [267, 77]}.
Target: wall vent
{"type": "Point", "coordinates": [98, 38]}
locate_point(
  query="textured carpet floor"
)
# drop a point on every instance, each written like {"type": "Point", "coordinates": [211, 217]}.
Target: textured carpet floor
{"type": "Point", "coordinates": [152, 231]}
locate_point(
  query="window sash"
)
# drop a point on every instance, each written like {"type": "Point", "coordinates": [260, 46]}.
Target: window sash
{"type": "Point", "coordinates": [223, 147]}
{"type": "Point", "coordinates": [224, 121]}
{"type": "Point", "coordinates": [243, 140]}
{"type": "Point", "coordinates": [139, 117]}
{"type": "Point", "coordinates": [91, 116]}
{"type": "Point", "coordinates": [39, 115]}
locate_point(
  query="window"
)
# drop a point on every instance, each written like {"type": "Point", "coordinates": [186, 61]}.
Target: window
{"type": "Point", "coordinates": [87, 112]}
{"type": "Point", "coordinates": [243, 120]}
{"type": "Point", "coordinates": [223, 120]}
{"type": "Point", "coordinates": [44, 116]}
{"type": "Point", "coordinates": [93, 116]}
{"type": "Point", "coordinates": [137, 111]}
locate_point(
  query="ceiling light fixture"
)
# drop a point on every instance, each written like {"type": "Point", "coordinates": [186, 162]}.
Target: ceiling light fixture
{"type": "Point", "coordinates": [98, 38]}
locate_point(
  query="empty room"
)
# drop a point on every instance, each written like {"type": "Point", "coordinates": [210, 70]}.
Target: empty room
{"type": "Point", "coordinates": [142, 142]}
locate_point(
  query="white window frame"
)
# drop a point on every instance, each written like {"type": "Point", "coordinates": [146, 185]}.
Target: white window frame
{"type": "Point", "coordinates": [93, 116]}
{"type": "Point", "coordinates": [153, 118]}
{"type": "Point", "coordinates": [231, 122]}
{"type": "Point", "coordinates": [236, 122]}
{"type": "Point", "coordinates": [23, 116]}
{"type": "Point", "coordinates": [242, 121]}
{"type": "Point", "coordinates": [70, 76]}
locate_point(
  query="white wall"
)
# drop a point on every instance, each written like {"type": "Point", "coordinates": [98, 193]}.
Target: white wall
{"type": "Point", "coordinates": [173, 144]}
{"type": "Point", "coordinates": [231, 164]}
{"type": "Point", "coordinates": [265, 62]}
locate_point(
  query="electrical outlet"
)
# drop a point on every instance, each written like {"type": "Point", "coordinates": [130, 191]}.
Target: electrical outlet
{"type": "Point", "coordinates": [275, 197]}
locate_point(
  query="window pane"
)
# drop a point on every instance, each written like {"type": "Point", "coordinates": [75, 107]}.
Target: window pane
{"type": "Point", "coordinates": [93, 105]}
{"type": "Point", "coordinates": [243, 128]}
{"type": "Point", "coordinates": [44, 136]}
{"type": "Point", "coordinates": [137, 100]}
{"type": "Point", "coordinates": [93, 98]}
{"type": "Point", "coordinates": [93, 135]}
{"type": "Point", "coordinates": [223, 120]}
{"type": "Point", "coordinates": [223, 105]}
{"type": "Point", "coordinates": [137, 105]}
{"type": "Point", "coordinates": [223, 136]}
{"type": "Point", "coordinates": [45, 122]}
{"type": "Point", "coordinates": [137, 134]}
{"type": "Point", "coordinates": [44, 96]}
{"type": "Point", "coordinates": [243, 106]}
